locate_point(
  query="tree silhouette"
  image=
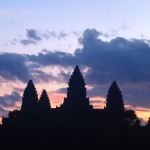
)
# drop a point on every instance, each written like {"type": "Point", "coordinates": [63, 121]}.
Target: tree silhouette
{"type": "Point", "coordinates": [148, 123]}
{"type": "Point", "coordinates": [14, 114]}
{"type": "Point", "coordinates": [131, 118]}
{"type": "Point", "coordinates": [137, 123]}
{"type": "Point", "coordinates": [44, 103]}
{"type": "Point", "coordinates": [30, 98]}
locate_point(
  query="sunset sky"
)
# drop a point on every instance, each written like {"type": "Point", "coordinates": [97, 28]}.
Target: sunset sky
{"type": "Point", "coordinates": [44, 40]}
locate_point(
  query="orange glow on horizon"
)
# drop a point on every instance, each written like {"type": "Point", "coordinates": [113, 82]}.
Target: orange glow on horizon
{"type": "Point", "coordinates": [56, 99]}
{"type": "Point", "coordinates": [98, 102]}
{"type": "Point", "coordinates": [143, 114]}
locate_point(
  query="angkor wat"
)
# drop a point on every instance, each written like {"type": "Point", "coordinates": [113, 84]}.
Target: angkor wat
{"type": "Point", "coordinates": [73, 125]}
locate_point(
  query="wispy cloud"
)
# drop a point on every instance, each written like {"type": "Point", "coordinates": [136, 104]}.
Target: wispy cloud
{"type": "Point", "coordinates": [124, 27]}
{"type": "Point", "coordinates": [26, 42]}
{"type": "Point", "coordinates": [34, 36]}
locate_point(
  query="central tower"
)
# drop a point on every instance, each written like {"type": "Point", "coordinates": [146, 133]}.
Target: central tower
{"type": "Point", "coordinates": [76, 93]}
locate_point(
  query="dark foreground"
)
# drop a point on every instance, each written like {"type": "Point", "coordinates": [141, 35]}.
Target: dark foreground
{"type": "Point", "coordinates": [72, 136]}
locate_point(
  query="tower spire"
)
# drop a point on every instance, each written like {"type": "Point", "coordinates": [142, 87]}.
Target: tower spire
{"type": "Point", "coordinates": [115, 106]}
{"type": "Point", "coordinates": [44, 103]}
{"type": "Point", "coordinates": [30, 98]}
{"type": "Point", "coordinates": [76, 92]}
{"type": "Point", "coordinates": [114, 101]}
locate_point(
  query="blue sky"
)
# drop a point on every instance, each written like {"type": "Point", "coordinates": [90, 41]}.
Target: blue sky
{"type": "Point", "coordinates": [44, 40]}
{"type": "Point", "coordinates": [117, 18]}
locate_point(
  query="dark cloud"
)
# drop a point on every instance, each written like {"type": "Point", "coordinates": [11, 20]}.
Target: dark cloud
{"type": "Point", "coordinates": [49, 58]}
{"type": "Point", "coordinates": [38, 35]}
{"type": "Point", "coordinates": [25, 67]}
{"type": "Point", "coordinates": [93, 35]}
{"type": "Point", "coordinates": [27, 42]}
{"type": "Point", "coordinates": [120, 59]}
{"type": "Point", "coordinates": [89, 36]}
{"type": "Point", "coordinates": [98, 90]}
{"type": "Point", "coordinates": [137, 95]}
{"type": "Point", "coordinates": [3, 112]}
{"type": "Point", "coordinates": [19, 67]}
{"type": "Point", "coordinates": [13, 66]}
{"type": "Point", "coordinates": [32, 37]}
{"type": "Point", "coordinates": [40, 76]}
{"type": "Point", "coordinates": [124, 60]}
{"type": "Point", "coordinates": [33, 34]}
{"type": "Point", "coordinates": [62, 90]}
{"type": "Point", "coordinates": [10, 100]}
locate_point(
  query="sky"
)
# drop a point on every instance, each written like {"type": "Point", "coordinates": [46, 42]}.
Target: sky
{"type": "Point", "coordinates": [44, 40]}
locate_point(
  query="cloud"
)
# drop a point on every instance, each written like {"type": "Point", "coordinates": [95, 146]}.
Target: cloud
{"type": "Point", "coordinates": [75, 33]}
{"type": "Point", "coordinates": [62, 90]}
{"type": "Point", "coordinates": [25, 67]}
{"type": "Point", "coordinates": [49, 34]}
{"type": "Point", "coordinates": [62, 35]}
{"type": "Point", "coordinates": [3, 112]}
{"type": "Point", "coordinates": [120, 59]}
{"type": "Point", "coordinates": [113, 33]}
{"type": "Point", "coordinates": [13, 66]}
{"type": "Point", "coordinates": [93, 34]}
{"type": "Point", "coordinates": [96, 101]}
{"type": "Point", "coordinates": [49, 58]}
{"type": "Point", "coordinates": [53, 34]}
{"type": "Point", "coordinates": [14, 42]}
{"type": "Point", "coordinates": [33, 34]}
{"type": "Point", "coordinates": [124, 27]}
{"type": "Point", "coordinates": [27, 42]}
{"type": "Point", "coordinates": [32, 37]}
{"type": "Point", "coordinates": [89, 36]}
{"type": "Point", "coordinates": [10, 100]}
{"type": "Point", "coordinates": [98, 90]}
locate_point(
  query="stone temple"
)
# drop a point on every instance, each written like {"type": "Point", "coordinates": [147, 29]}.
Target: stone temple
{"type": "Point", "coordinates": [76, 106]}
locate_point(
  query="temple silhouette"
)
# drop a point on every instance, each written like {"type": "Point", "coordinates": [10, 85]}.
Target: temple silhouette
{"type": "Point", "coordinates": [76, 105]}
{"type": "Point", "coordinates": [73, 125]}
